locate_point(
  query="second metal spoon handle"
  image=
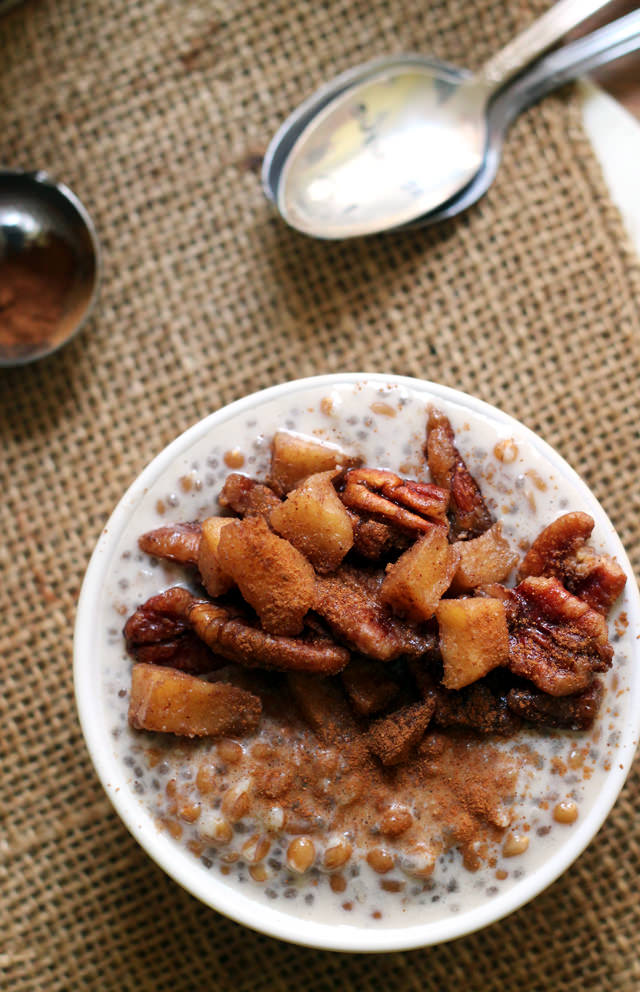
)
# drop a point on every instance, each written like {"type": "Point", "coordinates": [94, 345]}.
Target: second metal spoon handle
{"type": "Point", "coordinates": [534, 40]}
{"type": "Point", "coordinates": [573, 60]}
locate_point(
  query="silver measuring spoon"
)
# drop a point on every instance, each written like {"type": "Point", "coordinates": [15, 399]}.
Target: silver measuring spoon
{"type": "Point", "coordinates": [49, 266]}
{"type": "Point", "coordinates": [562, 66]}
{"type": "Point", "coordinates": [387, 142]}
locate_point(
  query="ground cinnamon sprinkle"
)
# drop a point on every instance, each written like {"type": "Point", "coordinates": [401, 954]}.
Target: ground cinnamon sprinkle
{"type": "Point", "coordinates": [455, 791]}
{"type": "Point", "coordinates": [34, 286]}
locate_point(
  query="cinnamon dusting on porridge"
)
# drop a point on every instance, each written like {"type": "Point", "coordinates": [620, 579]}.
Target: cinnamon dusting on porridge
{"type": "Point", "coordinates": [336, 684]}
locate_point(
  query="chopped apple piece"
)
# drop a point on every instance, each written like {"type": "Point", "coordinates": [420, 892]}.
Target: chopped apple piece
{"type": "Point", "coordinates": [295, 457]}
{"type": "Point", "coordinates": [474, 639]}
{"type": "Point", "coordinates": [316, 521]}
{"type": "Point", "coordinates": [414, 585]}
{"type": "Point", "coordinates": [483, 560]}
{"type": "Point", "coordinates": [215, 580]}
{"type": "Point", "coordinates": [168, 701]}
{"type": "Point", "coordinates": [272, 575]}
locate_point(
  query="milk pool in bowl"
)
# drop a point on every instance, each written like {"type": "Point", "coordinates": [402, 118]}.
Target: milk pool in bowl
{"type": "Point", "coordinates": [382, 418]}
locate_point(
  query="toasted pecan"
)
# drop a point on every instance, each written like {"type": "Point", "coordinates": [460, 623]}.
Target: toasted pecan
{"type": "Point", "coordinates": [236, 639]}
{"type": "Point", "coordinates": [468, 513]}
{"type": "Point", "coordinates": [575, 712]}
{"type": "Point", "coordinates": [404, 503]}
{"type": "Point", "coordinates": [393, 737]}
{"type": "Point", "coordinates": [349, 600]}
{"type": "Point", "coordinates": [175, 542]}
{"type": "Point", "coordinates": [556, 640]}
{"type": "Point", "coordinates": [561, 550]}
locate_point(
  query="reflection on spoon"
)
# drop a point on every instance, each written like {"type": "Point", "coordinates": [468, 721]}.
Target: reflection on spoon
{"type": "Point", "coordinates": [380, 151]}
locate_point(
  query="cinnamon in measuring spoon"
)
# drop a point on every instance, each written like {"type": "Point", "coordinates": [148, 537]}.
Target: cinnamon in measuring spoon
{"type": "Point", "coordinates": [34, 287]}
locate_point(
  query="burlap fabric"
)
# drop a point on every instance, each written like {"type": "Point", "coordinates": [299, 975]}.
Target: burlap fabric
{"type": "Point", "coordinates": [157, 113]}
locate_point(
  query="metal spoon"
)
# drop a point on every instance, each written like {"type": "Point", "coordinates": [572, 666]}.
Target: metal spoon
{"type": "Point", "coordinates": [44, 229]}
{"type": "Point", "coordinates": [568, 63]}
{"type": "Point", "coordinates": [387, 142]}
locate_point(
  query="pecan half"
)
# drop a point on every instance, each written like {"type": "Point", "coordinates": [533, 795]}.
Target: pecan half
{"type": "Point", "coordinates": [322, 705]}
{"type": "Point", "coordinates": [468, 513]}
{"type": "Point", "coordinates": [556, 640]}
{"type": "Point", "coordinates": [392, 738]}
{"type": "Point", "coordinates": [405, 503]}
{"type": "Point", "coordinates": [374, 540]}
{"type": "Point", "coordinates": [368, 686]}
{"type": "Point", "coordinates": [349, 601]}
{"type": "Point", "coordinates": [175, 542]}
{"type": "Point", "coordinates": [157, 633]}
{"type": "Point", "coordinates": [238, 640]}
{"type": "Point", "coordinates": [479, 707]}
{"type": "Point", "coordinates": [561, 550]}
{"type": "Point", "coordinates": [575, 712]}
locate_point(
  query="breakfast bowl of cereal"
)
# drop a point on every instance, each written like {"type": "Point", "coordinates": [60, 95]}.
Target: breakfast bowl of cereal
{"type": "Point", "coordinates": [354, 662]}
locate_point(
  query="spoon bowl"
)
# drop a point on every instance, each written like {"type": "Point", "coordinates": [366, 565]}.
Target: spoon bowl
{"type": "Point", "coordinates": [396, 141]}
{"type": "Point", "coordinates": [49, 266]}
{"type": "Point", "coordinates": [358, 156]}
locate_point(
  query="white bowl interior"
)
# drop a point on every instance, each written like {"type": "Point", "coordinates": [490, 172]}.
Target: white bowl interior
{"type": "Point", "coordinates": [93, 655]}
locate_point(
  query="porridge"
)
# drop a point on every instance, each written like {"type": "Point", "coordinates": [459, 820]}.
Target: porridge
{"type": "Point", "coordinates": [350, 762]}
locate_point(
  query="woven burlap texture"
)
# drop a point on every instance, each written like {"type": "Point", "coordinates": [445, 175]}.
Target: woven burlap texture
{"type": "Point", "coordinates": [157, 114]}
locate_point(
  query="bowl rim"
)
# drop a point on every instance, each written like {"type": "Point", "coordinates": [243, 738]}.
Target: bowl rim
{"type": "Point", "coordinates": [230, 901]}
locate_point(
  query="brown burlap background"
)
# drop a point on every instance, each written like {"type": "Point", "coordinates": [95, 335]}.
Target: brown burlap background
{"type": "Point", "coordinates": [157, 112]}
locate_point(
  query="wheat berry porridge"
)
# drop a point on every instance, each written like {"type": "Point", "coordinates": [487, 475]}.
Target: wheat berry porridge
{"type": "Point", "coordinates": [363, 656]}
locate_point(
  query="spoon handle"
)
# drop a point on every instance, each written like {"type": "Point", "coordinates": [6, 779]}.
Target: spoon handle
{"type": "Point", "coordinates": [534, 40]}
{"type": "Point", "coordinates": [559, 67]}
{"type": "Point", "coordinates": [570, 62]}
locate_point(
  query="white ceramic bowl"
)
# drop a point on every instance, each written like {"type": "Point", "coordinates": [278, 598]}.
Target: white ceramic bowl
{"type": "Point", "coordinates": [95, 652]}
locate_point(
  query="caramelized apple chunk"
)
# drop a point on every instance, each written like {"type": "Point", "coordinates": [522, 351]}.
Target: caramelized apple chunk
{"type": "Point", "coordinates": [171, 702]}
{"type": "Point", "coordinates": [272, 575]}
{"type": "Point", "coordinates": [295, 457]}
{"type": "Point", "coordinates": [215, 580]}
{"type": "Point", "coordinates": [474, 639]}
{"type": "Point", "coordinates": [483, 560]}
{"type": "Point", "coordinates": [414, 585]}
{"type": "Point", "coordinates": [315, 520]}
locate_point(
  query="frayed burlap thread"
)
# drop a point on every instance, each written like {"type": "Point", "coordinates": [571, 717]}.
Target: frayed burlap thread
{"type": "Point", "coordinates": [157, 114]}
